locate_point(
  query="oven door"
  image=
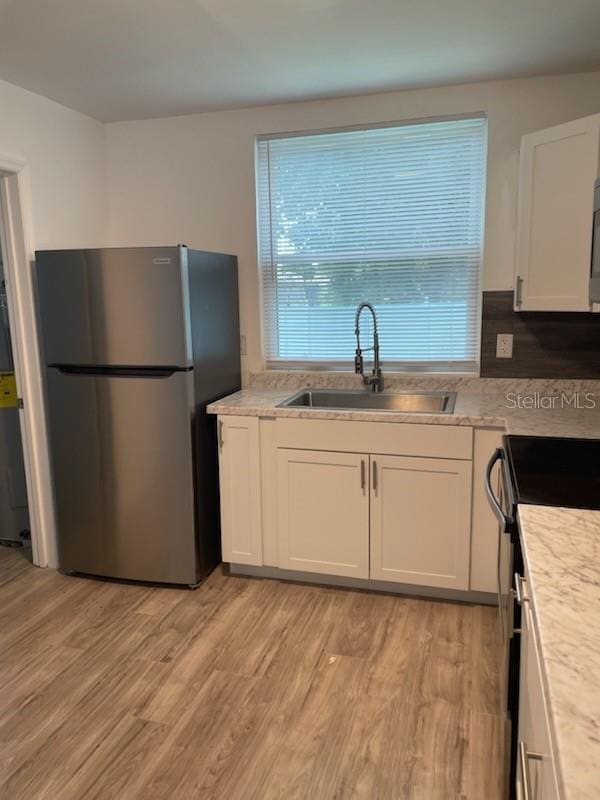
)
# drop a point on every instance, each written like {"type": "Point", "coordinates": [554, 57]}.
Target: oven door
{"type": "Point", "coordinates": [501, 499]}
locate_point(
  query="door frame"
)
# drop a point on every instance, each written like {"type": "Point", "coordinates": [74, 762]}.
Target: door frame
{"type": "Point", "coordinates": [18, 253]}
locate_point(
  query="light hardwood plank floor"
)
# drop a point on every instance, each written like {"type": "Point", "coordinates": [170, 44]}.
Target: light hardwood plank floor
{"type": "Point", "coordinates": [244, 689]}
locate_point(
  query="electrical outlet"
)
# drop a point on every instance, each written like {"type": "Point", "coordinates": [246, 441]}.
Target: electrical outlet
{"type": "Point", "coordinates": [243, 351]}
{"type": "Point", "coordinates": [504, 345]}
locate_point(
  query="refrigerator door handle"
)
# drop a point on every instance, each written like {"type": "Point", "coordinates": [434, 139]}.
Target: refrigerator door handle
{"type": "Point", "coordinates": [120, 371]}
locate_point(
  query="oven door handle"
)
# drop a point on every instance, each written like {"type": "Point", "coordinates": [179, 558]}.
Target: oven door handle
{"type": "Point", "coordinates": [493, 500]}
{"type": "Point", "coordinates": [498, 455]}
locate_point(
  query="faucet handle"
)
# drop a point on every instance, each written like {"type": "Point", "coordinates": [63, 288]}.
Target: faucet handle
{"type": "Point", "coordinates": [358, 363]}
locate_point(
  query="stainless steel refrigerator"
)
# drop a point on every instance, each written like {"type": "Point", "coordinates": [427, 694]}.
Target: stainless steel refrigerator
{"type": "Point", "coordinates": [137, 342]}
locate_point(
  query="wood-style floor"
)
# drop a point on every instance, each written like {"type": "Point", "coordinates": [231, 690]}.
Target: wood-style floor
{"type": "Point", "coordinates": [243, 689]}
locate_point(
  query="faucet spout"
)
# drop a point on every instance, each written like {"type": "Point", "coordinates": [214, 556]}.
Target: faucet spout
{"type": "Point", "coordinates": [375, 378]}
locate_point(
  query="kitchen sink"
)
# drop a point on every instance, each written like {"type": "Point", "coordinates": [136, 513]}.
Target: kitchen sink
{"type": "Point", "coordinates": [409, 402]}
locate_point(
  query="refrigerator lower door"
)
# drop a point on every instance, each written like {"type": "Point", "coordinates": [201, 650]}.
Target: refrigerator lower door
{"type": "Point", "coordinates": [123, 475]}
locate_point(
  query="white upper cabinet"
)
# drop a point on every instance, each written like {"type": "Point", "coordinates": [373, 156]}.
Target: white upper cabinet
{"type": "Point", "coordinates": [557, 171]}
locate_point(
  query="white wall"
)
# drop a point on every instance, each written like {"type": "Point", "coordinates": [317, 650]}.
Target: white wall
{"type": "Point", "coordinates": [63, 196]}
{"type": "Point", "coordinates": [65, 153]}
{"type": "Point", "coordinates": [190, 179]}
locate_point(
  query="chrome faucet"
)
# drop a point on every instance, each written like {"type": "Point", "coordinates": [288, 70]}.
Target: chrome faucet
{"type": "Point", "coordinates": [375, 378]}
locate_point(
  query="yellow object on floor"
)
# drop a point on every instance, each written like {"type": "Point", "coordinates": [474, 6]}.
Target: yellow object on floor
{"type": "Point", "coordinates": [8, 390]}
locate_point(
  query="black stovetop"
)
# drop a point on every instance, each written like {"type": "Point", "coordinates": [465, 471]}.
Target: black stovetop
{"type": "Point", "coordinates": [554, 471]}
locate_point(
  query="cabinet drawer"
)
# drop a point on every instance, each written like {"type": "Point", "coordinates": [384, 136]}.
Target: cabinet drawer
{"type": "Point", "coordinates": [534, 728]}
{"type": "Point", "coordinates": [381, 438]}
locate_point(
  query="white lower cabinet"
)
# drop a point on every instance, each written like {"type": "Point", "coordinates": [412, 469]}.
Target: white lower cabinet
{"type": "Point", "coordinates": [391, 518]}
{"type": "Point", "coordinates": [239, 478]}
{"type": "Point", "coordinates": [323, 512]}
{"type": "Point", "coordinates": [535, 771]}
{"type": "Point", "coordinates": [421, 521]}
{"type": "Point", "coordinates": [341, 510]}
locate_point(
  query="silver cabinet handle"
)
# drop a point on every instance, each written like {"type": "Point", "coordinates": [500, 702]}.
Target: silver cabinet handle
{"type": "Point", "coordinates": [220, 430]}
{"type": "Point", "coordinates": [363, 474]}
{"type": "Point", "coordinates": [519, 593]}
{"type": "Point", "coordinates": [375, 478]}
{"type": "Point", "coordinates": [519, 291]}
{"type": "Point", "coordinates": [524, 758]}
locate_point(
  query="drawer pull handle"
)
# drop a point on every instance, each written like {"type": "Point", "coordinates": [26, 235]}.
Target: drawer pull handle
{"type": "Point", "coordinates": [524, 758]}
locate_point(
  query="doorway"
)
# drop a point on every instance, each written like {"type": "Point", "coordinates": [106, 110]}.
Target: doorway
{"type": "Point", "coordinates": [14, 512]}
{"type": "Point", "coordinates": [30, 487]}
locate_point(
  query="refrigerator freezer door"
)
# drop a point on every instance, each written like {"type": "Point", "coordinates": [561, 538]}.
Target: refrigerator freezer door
{"type": "Point", "coordinates": [115, 306]}
{"type": "Point", "coordinates": [122, 465]}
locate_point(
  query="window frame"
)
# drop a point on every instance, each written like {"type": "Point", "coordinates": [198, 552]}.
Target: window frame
{"type": "Point", "coordinates": [455, 367]}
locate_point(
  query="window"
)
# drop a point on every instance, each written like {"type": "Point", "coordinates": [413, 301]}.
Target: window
{"type": "Point", "coordinates": [392, 215]}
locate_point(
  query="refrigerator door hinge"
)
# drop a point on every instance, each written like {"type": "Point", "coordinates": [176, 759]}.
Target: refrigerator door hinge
{"type": "Point", "coordinates": [20, 402]}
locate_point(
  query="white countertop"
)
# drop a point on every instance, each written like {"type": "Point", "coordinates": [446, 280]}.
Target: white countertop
{"type": "Point", "coordinates": [477, 410]}
{"type": "Point", "coordinates": [561, 548]}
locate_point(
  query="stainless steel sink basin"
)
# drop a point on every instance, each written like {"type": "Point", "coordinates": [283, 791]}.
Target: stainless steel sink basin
{"type": "Point", "coordinates": [409, 402]}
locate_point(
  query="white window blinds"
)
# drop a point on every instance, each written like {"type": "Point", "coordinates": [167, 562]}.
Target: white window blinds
{"type": "Point", "coordinates": [392, 215]}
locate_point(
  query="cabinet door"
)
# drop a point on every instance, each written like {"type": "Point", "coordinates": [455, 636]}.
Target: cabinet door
{"type": "Point", "coordinates": [534, 735]}
{"type": "Point", "coordinates": [239, 474]}
{"type": "Point", "coordinates": [323, 512]}
{"type": "Point", "coordinates": [421, 520]}
{"type": "Point", "coordinates": [557, 171]}
{"type": "Point", "coordinates": [485, 533]}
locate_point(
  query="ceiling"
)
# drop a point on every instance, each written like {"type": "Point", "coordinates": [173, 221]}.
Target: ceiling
{"type": "Point", "coordinates": [131, 59]}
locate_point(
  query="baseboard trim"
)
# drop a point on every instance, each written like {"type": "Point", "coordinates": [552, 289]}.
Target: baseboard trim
{"type": "Point", "coordinates": [456, 595]}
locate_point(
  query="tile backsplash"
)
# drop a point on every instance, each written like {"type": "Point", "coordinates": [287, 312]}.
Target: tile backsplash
{"type": "Point", "coordinates": [546, 344]}
{"type": "Point", "coordinates": [292, 380]}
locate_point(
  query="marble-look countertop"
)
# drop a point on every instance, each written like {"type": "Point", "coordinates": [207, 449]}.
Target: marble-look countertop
{"type": "Point", "coordinates": [471, 409]}
{"type": "Point", "coordinates": [561, 548]}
